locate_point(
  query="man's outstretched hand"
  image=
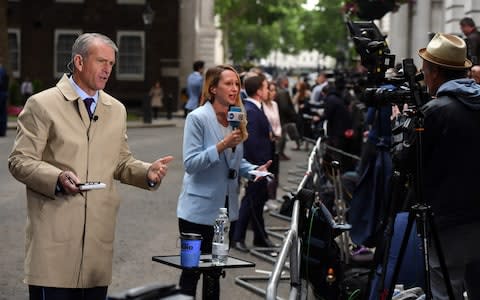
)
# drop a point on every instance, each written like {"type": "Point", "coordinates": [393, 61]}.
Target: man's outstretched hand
{"type": "Point", "coordinates": [159, 169]}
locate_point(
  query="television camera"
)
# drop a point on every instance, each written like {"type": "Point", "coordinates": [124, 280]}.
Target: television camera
{"type": "Point", "coordinates": [375, 56]}
{"type": "Point", "coordinates": [405, 89]}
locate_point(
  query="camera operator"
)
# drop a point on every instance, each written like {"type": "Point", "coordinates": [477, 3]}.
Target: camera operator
{"type": "Point", "coordinates": [451, 163]}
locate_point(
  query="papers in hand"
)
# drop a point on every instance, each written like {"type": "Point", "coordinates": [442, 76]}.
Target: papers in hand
{"type": "Point", "coordinates": [91, 186]}
{"type": "Point", "coordinates": [258, 173]}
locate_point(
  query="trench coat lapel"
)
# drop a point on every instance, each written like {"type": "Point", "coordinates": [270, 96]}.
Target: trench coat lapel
{"type": "Point", "coordinates": [70, 95]}
{"type": "Point", "coordinates": [101, 112]}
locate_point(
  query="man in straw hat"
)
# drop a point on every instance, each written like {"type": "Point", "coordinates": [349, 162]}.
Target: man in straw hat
{"type": "Point", "coordinates": [452, 163]}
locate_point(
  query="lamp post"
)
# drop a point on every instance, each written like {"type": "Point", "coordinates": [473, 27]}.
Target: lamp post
{"type": "Point", "coordinates": [148, 15]}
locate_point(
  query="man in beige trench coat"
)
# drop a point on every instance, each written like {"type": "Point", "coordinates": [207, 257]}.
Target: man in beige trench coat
{"type": "Point", "coordinates": [59, 144]}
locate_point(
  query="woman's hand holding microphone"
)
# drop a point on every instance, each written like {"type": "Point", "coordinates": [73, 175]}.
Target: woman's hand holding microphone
{"type": "Point", "coordinates": [231, 140]}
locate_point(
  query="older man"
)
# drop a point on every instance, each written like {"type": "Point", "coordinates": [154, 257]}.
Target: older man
{"type": "Point", "coordinates": [68, 135]}
{"type": "Point", "coordinates": [451, 163]}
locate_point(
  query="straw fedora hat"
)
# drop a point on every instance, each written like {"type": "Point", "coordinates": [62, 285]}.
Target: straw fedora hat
{"type": "Point", "coordinates": [446, 50]}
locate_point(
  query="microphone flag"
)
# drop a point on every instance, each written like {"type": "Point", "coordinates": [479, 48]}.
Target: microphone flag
{"type": "Point", "coordinates": [234, 116]}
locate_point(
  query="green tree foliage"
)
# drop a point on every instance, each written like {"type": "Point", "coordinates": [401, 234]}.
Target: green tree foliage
{"type": "Point", "coordinates": [253, 28]}
{"type": "Point", "coordinates": [327, 32]}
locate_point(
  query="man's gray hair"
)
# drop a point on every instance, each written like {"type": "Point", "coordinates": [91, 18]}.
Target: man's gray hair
{"type": "Point", "coordinates": [84, 41]}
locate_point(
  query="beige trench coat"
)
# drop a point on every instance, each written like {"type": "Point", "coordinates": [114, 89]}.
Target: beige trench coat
{"type": "Point", "coordinates": [69, 239]}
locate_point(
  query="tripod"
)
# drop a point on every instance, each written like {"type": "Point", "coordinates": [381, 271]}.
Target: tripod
{"type": "Point", "coordinates": [422, 214]}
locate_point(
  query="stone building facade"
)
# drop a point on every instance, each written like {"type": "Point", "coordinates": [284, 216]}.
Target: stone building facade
{"type": "Point", "coordinates": [411, 27]}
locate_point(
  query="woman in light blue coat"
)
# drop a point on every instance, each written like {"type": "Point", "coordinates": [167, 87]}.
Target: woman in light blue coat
{"type": "Point", "coordinates": [213, 160]}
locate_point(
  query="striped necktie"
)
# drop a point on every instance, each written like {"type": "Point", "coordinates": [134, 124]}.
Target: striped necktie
{"type": "Point", "coordinates": [88, 103]}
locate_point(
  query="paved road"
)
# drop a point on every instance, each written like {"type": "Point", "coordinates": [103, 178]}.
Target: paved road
{"type": "Point", "coordinates": [146, 225]}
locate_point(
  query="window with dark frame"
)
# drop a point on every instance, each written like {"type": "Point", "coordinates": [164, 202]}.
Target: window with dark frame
{"type": "Point", "coordinates": [131, 60]}
{"type": "Point", "coordinates": [64, 40]}
{"type": "Point", "coordinates": [14, 51]}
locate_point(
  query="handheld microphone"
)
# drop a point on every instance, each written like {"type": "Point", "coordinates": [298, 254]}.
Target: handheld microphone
{"type": "Point", "coordinates": [234, 117]}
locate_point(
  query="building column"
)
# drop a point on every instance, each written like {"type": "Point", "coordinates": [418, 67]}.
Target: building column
{"type": "Point", "coordinates": [421, 27]}
{"type": "Point", "coordinates": [399, 33]}
{"type": "Point", "coordinates": [206, 32]}
{"type": "Point", "coordinates": [197, 36]}
{"type": "Point", "coordinates": [454, 12]}
{"type": "Point", "coordinates": [438, 17]}
{"type": "Point", "coordinates": [472, 9]}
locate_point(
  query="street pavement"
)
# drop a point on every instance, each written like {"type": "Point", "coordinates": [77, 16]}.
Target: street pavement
{"type": "Point", "coordinates": [146, 223]}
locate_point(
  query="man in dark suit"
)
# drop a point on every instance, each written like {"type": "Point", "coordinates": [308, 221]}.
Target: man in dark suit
{"type": "Point", "coordinates": [258, 149]}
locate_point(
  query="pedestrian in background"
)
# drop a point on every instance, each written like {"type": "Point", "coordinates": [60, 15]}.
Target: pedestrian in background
{"type": "Point", "coordinates": [156, 100]}
{"type": "Point", "coordinates": [26, 89]}
{"type": "Point", "coordinates": [288, 117]}
{"type": "Point", "coordinates": [184, 100]}
{"type": "Point", "coordinates": [213, 161]}
{"type": "Point", "coordinates": [270, 108]}
{"type": "Point", "coordinates": [194, 86]}
{"type": "Point", "coordinates": [301, 102]}
{"type": "Point", "coordinates": [467, 25]}
{"type": "Point", "coordinates": [320, 82]}
{"type": "Point", "coordinates": [70, 134]}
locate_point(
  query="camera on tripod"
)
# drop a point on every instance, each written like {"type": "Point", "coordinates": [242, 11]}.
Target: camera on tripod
{"type": "Point", "coordinates": [404, 181]}
{"type": "Point", "coordinates": [375, 55]}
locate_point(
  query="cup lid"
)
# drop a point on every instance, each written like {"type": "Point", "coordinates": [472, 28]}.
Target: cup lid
{"type": "Point", "coordinates": [190, 236]}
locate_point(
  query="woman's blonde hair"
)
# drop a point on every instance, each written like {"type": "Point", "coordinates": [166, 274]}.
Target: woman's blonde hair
{"type": "Point", "coordinates": [212, 78]}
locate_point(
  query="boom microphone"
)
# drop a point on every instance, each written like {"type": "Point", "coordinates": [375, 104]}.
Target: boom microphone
{"type": "Point", "coordinates": [234, 117]}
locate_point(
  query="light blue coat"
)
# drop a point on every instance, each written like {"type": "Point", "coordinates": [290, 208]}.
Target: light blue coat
{"type": "Point", "coordinates": [206, 183]}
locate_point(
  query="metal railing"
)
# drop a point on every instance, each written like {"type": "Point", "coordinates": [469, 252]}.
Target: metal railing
{"type": "Point", "coordinates": [292, 244]}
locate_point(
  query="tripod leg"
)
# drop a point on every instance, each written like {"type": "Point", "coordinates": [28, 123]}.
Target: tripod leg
{"type": "Point", "coordinates": [422, 224]}
{"type": "Point", "coordinates": [386, 250]}
{"type": "Point", "coordinates": [397, 184]}
{"type": "Point", "coordinates": [441, 259]}
{"type": "Point", "coordinates": [388, 293]}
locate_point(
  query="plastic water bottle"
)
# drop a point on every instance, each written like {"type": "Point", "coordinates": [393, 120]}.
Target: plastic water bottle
{"type": "Point", "coordinates": [220, 243]}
